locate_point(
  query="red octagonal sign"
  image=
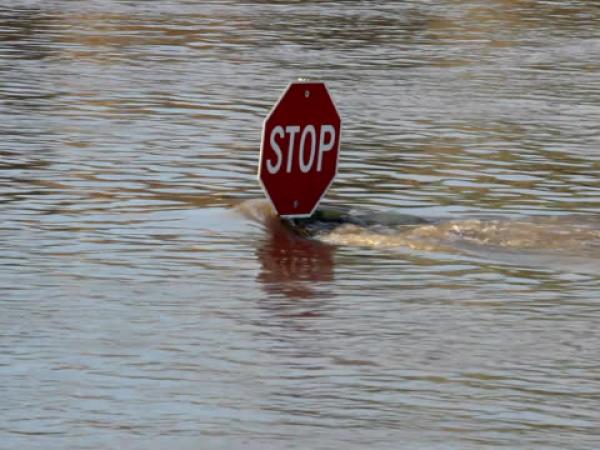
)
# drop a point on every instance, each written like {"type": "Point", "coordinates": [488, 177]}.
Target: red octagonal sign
{"type": "Point", "coordinates": [299, 149]}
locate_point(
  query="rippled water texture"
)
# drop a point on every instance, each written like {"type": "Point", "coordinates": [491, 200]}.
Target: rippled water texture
{"type": "Point", "coordinates": [149, 299]}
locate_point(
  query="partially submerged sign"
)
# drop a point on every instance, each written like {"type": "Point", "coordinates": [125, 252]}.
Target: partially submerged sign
{"type": "Point", "coordinates": [299, 149]}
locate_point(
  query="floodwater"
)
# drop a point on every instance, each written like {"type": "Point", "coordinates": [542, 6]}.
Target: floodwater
{"type": "Point", "coordinates": [148, 298]}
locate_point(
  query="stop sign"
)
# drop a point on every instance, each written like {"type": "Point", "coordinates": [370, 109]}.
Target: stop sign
{"type": "Point", "coordinates": [299, 149]}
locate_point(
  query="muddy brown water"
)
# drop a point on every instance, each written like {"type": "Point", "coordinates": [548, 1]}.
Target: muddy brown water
{"type": "Point", "coordinates": [148, 299]}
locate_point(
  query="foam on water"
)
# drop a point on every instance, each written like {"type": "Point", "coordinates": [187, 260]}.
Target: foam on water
{"type": "Point", "coordinates": [552, 234]}
{"type": "Point", "coordinates": [563, 241]}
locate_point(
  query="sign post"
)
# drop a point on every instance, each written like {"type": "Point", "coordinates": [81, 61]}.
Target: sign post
{"type": "Point", "coordinates": [299, 149]}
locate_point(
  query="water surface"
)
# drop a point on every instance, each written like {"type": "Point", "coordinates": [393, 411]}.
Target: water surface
{"type": "Point", "coordinates": [141, 308]}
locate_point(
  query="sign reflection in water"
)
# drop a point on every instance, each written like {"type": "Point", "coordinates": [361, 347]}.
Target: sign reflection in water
{"type": "Point", "coordinates": [295, 266]}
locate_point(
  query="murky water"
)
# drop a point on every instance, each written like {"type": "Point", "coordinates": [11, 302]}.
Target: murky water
{"type": "Point", "coordinates": [142, 307]}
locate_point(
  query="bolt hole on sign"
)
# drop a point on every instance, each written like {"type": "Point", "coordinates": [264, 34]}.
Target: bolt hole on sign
{"type": "Point", "coordinates": [299, 149]}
